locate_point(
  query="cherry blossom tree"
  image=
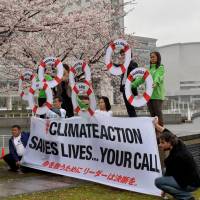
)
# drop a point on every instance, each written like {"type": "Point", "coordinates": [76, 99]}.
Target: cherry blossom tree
{"type": "Point", "coordinates": [31, 30]}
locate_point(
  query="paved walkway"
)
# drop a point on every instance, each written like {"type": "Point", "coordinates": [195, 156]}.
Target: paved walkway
{"type": "Point", "coordinates": [32, 182]}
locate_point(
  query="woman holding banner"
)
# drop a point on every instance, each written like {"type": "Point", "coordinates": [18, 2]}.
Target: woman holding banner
{"type": "Point", "coordinates": [157, 72]}
{"type": "Point", "coordinates": [104, 107]}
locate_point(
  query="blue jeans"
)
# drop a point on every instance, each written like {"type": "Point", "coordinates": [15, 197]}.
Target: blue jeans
{"type": "Point", "coordinates": [169, 185]}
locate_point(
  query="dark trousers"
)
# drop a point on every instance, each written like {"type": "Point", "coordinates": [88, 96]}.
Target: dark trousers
{"type": "Point", "coordinates": [68, 106]}
{"type": "Point", "coordinates": [169, 185]}
{"type": "Point", "coordinates": [130, 109]}
{"type": "Point", "coordinates": [155, 109]}
{"type": "Point", "coordinates": [11, 162]}
{"type": "Point", "coordinates": [41, 102]}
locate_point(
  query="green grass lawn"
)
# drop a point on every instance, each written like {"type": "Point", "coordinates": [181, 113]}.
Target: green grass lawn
{"type": "Point", "coordinates": [88, 191]}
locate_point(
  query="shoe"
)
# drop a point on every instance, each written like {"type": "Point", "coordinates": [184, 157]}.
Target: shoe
{"type": "Point", "coordinates": [192, 198]}
{"type": "Point", "coordinates": [165, 197]}
{"type": "Point", "coordinates": [19, 171]}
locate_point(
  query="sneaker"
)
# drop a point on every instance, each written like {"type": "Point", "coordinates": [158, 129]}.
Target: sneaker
{"type": "Point", "coordinates": [19, 171]}
{"type": "Point", "coordinates": [165, 197]}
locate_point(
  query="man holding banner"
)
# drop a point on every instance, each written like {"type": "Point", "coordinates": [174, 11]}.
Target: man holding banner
{"type": "Point", "coordinates": [181, 176]}
{"type": "Point", "coordinates": [17, 144]}
{"type": "Point", "coordinates": [56, 111]}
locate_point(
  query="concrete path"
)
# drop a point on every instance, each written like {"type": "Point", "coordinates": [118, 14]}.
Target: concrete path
{"type": "Point", "coordinates": [35, 183]}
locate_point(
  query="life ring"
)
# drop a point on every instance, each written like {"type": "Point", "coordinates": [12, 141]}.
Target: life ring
{"type": "Point", "coordinates": [84, 90]}
{"type": "Point", "coordinates": [138, 101]}
{"type": "Point", "coordinates": [26, 76]}
{"type": "Point", "coordinates": [35, 108]}
{"type": "Point", "coordinates": [118, 45]}
{"type": "Point", "coordinates": [77, 70]}
{"type": "Point", "coordinates": [57, 64]}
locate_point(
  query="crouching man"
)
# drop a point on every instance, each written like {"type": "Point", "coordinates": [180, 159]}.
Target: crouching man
{"type": "Point", "coordinates": [17, 144]}
{"type": "Point", "coordinates": [181, 176]}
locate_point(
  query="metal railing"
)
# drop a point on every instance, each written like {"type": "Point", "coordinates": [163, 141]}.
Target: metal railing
{"type": "Point", "coordinates": [15, 115]}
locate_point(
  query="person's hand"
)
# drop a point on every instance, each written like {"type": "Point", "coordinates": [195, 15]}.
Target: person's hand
{"type": "Point", "coordinates": [155, 120]}
{"type": "Point", "coordinates": [157, 126]}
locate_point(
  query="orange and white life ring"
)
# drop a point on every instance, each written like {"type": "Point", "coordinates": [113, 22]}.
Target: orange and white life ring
{"type": "Point", "coordinates": [138, 101]}
{"type": "Point", "coordinates": [35, 108]}
{"type": "Point", "coordinates": [26, 77]}
{"type": "Point", "coordinates": [79, 68]}
{"type": "Point", "coordinates": [59, 68]}
{"type": "Point", "coordinates": [118, 45]}
{"type": "Point", "coordinates": [83, 89]}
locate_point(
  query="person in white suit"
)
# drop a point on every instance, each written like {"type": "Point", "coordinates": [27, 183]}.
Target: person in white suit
{"type": "Point", "coordinates": [56, 111]}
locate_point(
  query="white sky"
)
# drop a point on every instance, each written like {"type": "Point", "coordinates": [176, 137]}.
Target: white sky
{"type": "Point", "coordinates": [169, 21]}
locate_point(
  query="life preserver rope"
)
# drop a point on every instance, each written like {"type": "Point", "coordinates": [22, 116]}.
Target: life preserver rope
{"type": "Point", "coordinates": [59, 68]}
{"type": "Point", "coordinates": [35, 108]}
{"type": "Point", "coordinates": [121, 68]}
{"type": "Point", "coordinates": [26, 76]}
{"type": "Point", "coordinates": [138, 101]}
{"type": "Point", "coordinates": [83, 89]}
{"type": "Point", "coordinates": [80, 66]}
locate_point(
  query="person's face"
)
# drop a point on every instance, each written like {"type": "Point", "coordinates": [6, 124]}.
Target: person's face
{"type": "Point", "coordinates": [153, 58]}
{"type": "Point", "coordinates": [102, 105]}
{"type": "Point", "coordinates": [165, 146]}
{"type": "Point", "coordinates": [15, 132]}
{"type": "Point", "coordinates": [57, 103]}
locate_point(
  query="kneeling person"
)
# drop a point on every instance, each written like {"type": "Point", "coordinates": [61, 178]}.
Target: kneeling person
{"type": "Point", "coordinates": [17, 144]}
{"type": "Point", "coordinates": [182, 176]}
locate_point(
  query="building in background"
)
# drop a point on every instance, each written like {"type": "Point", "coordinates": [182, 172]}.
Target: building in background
{"type": "Point", "coordinates": [182, 66]}
{"type": "Point", "coordinates": [143, 47]}
{"type": "Point", "coordinates": [78, 5]}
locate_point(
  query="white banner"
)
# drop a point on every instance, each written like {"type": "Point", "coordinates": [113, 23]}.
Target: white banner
{"type": "Point", "coordinates": [120, 152]}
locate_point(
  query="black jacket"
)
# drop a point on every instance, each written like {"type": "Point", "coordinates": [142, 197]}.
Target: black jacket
{"type": "Point", "coordinates": [181, 165]}
{"type": "Point", "coordinates": [131, 67]}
